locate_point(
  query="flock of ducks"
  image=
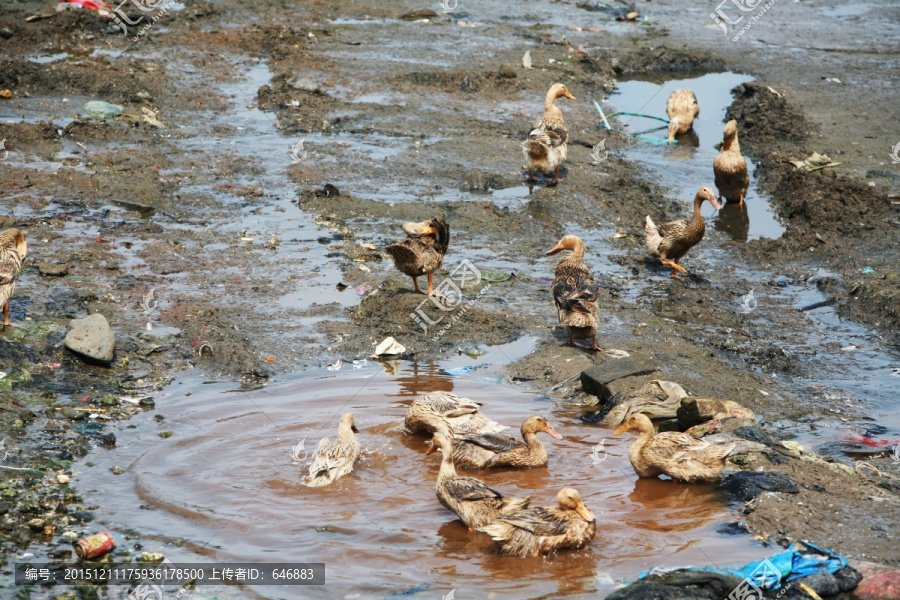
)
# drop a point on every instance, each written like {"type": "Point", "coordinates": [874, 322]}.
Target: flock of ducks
{"type": "Point", "coordinates": [468, 439]}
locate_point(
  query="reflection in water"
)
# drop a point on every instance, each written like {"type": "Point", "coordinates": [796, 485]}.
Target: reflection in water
{"type": "Point", "coordinates": [674, 506]}
{"type": "Point", "coordinates": [688, 138]}
{"type": "Point", "coordinates": [421, 378]}
{"type": "Point", "coordinates": [734, 220]}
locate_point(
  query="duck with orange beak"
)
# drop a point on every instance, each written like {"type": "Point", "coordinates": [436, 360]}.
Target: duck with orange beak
{"type": "Point", "coordinates": [574, 292]}
{"type": "Point", "coordinates": [422, 253]}
{"type": "Point", "coordinates": [492, 450]}
{"type": "Point", "coordinates": [546, 146]}
{"type": "Point", "coordinates": [543, 530]}
{"type": "Point", "coordinates": [681, 456]}
{"type": "Point", "coordinates": [671, 241]}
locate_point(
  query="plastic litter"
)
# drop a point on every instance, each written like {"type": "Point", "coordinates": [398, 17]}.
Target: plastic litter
{"type": "Point", "coordinates": [814, 162]}
{"type": "Point", "coordinates": [867, 270]}
{"type": "Point", "coordinates": [389, 347]}
{"type": "Point", "coordinates": [103, 110]}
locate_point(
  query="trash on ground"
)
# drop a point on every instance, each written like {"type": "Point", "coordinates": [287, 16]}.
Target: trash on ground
{"type": "Point", "coordinates": [7, 94]}
{"type": "Point", "coordinates": [103, 110]}
{"type": "Point", "coordinates": [94, 545]}
{"type": "Point", "coordinates": [814, 162]}
{"type": "Point", "coordinates": [747, 485]}
{"type": "Point", "coordinates": [472, 352]}
{"type": "Point", "coordinates": [632, 16]}
{"type": "Point", "coordinates": [526, 60]}
{"type": "Point", "coordinates": [656, 399]}
{"type": "Point", "coordinates": [389, 347]}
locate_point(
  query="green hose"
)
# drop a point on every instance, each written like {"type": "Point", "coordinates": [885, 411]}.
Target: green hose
{"type": "Point", "coordinates": [639, 135]}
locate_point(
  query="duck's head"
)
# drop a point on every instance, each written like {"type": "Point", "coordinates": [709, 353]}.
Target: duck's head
{"type": "Point", "coordinates": [536, 424]}
{"type": "Point", "coordinates": [14, 237]}
{"type": "Point", "coordinates": [347, 422]}
{"type": "Point", "coordinates": [440, 442]}
{"type": "Point", "coordinates": [729, 134]}
{"type": "Point", "coordinates": [570, 499]}
{"type": "Point", "coordinates": [558, 90]}
{"type": "Point", "coordinates": [569, 242]}
{"type": "Point", "coordinates": [420, 229]}
{"type": "Point", "coordinates": [638, 422]}
{"type": "Point", "coordinates": [706, 193]}
{"type": "Point", "coordinates": [674, 123]}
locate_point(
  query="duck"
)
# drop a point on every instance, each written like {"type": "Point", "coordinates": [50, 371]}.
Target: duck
{"type": "Point", "coordinates": [448, 413]}
{"type": "Point", "coordinates": [671, 241]}
{"type": "Point", "coordinates": [574, 293]}
{"type": "Point", "coordinates": [679, 455]}
{"type": "Point", "coordinates": [13, 250]}
{"type": "Point", "coordinates": [682, 109]}
{"type": "Point", "coordinates": [543, 530]}
{"type": "Point", "coordinates": [422, 253]}
{"type": "Point", "coordinates": [491, 450]}
{"type": "Point", "coordinates": [472, 500]}
{"type": "Point", "coordinates": [546, 149]}
{"type": "Point", "coordinates": [334, 459]}
{"type": "Point", "coordinates": [730, 167]}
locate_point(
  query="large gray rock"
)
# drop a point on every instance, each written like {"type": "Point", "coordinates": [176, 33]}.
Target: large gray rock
{"type": "Point", "coordinates": [596, 379]}
{"type": "Point", "coordinates": [92, 337]}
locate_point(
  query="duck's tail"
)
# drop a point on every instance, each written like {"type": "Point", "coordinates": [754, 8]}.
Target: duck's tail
{"type": "Point", "coordinates": [653, 238]}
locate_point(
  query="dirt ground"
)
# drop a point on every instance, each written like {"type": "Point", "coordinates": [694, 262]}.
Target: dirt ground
{"type": "Point", "coordinates": [168, 215]}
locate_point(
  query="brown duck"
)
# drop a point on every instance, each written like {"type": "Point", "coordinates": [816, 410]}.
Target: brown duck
{"type": "Point", "coordinates": [473, 501]}
{"type": "Point", "coordinates": [671, 241]}
{"type": "Point", "coordinates": [490, 450]}
{"type": "Point", "coordinates": [422, 253]}
{"type": "Point", "coordinates": [679, 455]}
{"type": "Point", "coordinates": [682, 109]}
{"type": "Point", "coordinates": [448, 413]}
{"type": "Point", "coordinates": [574, 293]}
{"type": "Point", "coordinates": [545, 529]}
{"type": "Point", "coordinates": [546, 146]}
{"type": "Point", "coordinates": [730, 167]}
{"type": "Point", "coordinates": [13, 249]}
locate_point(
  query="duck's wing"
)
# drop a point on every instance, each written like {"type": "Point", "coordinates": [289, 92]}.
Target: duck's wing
{"type": "Point", "coordinates": [675, 446]}
{"type": "Point", "coordinates": [330, 455]}
{"type": "Point", "coordinates": [575, 291]}
{"type": "Point", "coordinates": [470, 489]}
{"type": "Point", "coordinates": [552, 131]}
{"type": "Point", "coordinates": [540, 521]}
{"type": "Point", "coordinates": [673, 228]}
{"type": "Point", "coordinates": [491, 441]}
{"type": "Point", "coordinates": [449, 405]}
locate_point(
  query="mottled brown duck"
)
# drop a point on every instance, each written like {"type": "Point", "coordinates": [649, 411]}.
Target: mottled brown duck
{"type": "Point", "coordinates": [448, 413]}
{"type": "Point", "coordinates": [546, 146]}
{"type": "Point", "coordinates": [472, 500]}
{"type": "Point", "coordinates": [491, 450]}
{"type": "Point", "coordinates": [336, 458]}
{"type": "Point", "coordinates": [13, 249]}
{"type": "Point", "coordinates": [574, 293]}
{"type": "Point", "coordinates": [545, 530]}
{"type": "Point", "coordinates": [679, 455]}
{"type": "Point", "coordinates": [730, 167]}
{"type": "Point", "coordinates": [671, 241]}
{"type": "Point", "coordinates": [682, 109]}
{"type": "Point", "coordinates": [422, 253]}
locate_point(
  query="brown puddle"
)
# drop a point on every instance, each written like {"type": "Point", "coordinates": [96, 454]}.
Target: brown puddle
{"type": "Point", "coordinates": [225, 481]}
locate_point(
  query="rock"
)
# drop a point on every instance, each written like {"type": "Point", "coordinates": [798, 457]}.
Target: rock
{"type": "Point", "coordinates": [52, 269]}
{"type": "Point", "coordinates": [6, 33]}
{"type": "Point", "coordinates": [66, 303]}
{"type": "Point", "coordinates": [471, 84]}
{"type": "Point", "coordinates": [668, 425]}
{"type": "Point", "coordinates": [694, 411]}
{"type": "Point", "coordinates": [754, 433]}
{"type": "Point", "coordinates": [680, 584]}
{"type": "Point", "coordinates": [507, 71]}
{"type": "Point", "coordinates": [595, 380]}
{"type": "Point", "coordinates": [15, 353]}
{"type": "Point", "coordinates": [828, 585]}
{"type": "Point", "coordinates": [747, 485]}
{"type": "Point", "coordinates": [305, 84]}
{"type": "Point", "coordinates": [732, 424]}
{"type": "Point", "coordinates": [166, 434]}
{"type": "Point", "coordinates": [135, 375]}
{"type": "Point", "coordinates": [92, 337]}
{"type": "Point", "coordinates": [108, 439]}
{"type": "Point", "coordinates": [82, 516]}
{"type": "Point", "coordinates": [115, 470]}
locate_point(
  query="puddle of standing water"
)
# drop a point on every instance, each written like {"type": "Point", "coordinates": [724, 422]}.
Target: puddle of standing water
{"type": "Point", "coordinates": [686, 166]}
{"type": "Point", "coordinates": [226, 483]}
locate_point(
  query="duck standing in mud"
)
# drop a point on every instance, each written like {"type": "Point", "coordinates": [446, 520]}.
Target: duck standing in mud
{"type": "Point", "coordinates": [575, 294]}
{"type": "Point", "coordinates": [671, 241]}
{"type": "Point", "coordinates": [546, 146]}
{"type": "Point", "coordinates": [13, 249]}
{"type": "Point", "coordinates": [422, 253]}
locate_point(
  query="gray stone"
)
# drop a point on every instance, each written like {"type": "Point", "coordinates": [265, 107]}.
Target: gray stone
{"type": "Point", "coordinates": [507, 71]}
{"type": "Point", "coordinates": [92, 337]}
{"type": "Point", "coordinates": [52, 269]}
{"type": "Point", "coordinates": [694, 411]}
{"type": "Point", "coordinates": [596, 379]}
{"type": "Point", "coordinates": [305, 84]}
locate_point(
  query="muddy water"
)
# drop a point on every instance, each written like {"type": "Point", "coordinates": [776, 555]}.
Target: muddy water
{"type": "Point", "coordinates": [226, 483]}
{"type": "Point", "coordinates": [685, 166]}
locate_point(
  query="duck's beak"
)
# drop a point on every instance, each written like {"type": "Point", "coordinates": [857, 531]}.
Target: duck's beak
{"type": "Point", "coordinates": [431, 449]}
{"type": "Point", "coordinates": [585, 512]}
{"type": "Point", "coordinates": [569, 96]}
{"type": "Point", "coordinates": [553, 433]}
{"type": "Point", "coordinates": [419, 229]}
{"type": "Point", "coordinates": [714, 201]}
{"type": "Point", "coordinates": [622, 429]}
{"type": "Point", "coordinates": [354, 429]}
{"type": "Point", "coordinates": [555, 249]}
